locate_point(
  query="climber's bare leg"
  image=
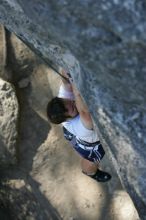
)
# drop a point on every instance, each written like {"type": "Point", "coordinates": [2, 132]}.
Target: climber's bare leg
{"type": "Point", "coordinates": [92, 170]}
{"type": "Point", "coordinates": [89, 167]}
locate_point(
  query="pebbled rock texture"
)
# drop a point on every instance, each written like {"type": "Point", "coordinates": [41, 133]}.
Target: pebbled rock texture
{"type": "Point", "coordinates": [102, 44]}
{"type": "Point", "coordinates": [8, 124]}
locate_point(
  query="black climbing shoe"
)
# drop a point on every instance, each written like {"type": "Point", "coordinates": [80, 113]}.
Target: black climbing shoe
{"type": "Point", "coordinates": [101, 176]}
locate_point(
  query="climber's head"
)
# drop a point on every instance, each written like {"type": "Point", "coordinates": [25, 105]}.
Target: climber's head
{"type": "Point", "coordinates": [60, 110]}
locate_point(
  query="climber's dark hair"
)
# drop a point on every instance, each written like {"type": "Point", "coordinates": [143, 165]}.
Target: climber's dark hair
{"type": "Point", "coordinates": [56, 111]}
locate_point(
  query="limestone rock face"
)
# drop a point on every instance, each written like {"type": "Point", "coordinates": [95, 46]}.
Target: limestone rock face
{"type": "Point", "coordinates": [102, 44]}
{"type": "Point", "coordinates": [8, 124]}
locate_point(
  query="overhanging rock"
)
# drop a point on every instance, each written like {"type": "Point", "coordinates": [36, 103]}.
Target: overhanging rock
{"type": "Point", "coordinates": [103, 46]}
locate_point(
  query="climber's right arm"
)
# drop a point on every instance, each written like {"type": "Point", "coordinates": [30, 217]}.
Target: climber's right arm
{"type": "Point", "coordinates": [65, 82]}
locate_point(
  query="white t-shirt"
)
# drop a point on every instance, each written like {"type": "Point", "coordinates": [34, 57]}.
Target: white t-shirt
{"type": "Point", "coordinates": [75, 125]}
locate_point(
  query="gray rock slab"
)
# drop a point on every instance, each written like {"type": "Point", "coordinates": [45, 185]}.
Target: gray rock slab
{"type": "Point", "coordinates": [102, 44]}
{"type": "Point", "coordinates": [2, 51]}
{"type": "Point", "coordinates": [2, 46]}
{"type": "Point", "coordinates": [8, 124]}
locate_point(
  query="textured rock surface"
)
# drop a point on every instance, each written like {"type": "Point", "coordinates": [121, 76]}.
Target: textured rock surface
{"type": "Point", "coordinates": [2, 49]}
{"type": "Point", "coordinates": [3, 52]}
{"type": "Point", "coordinates": [37, 187]}
{"type": "Point", "coordinates": [22, 202]}
{"type": "Point", "coordinates": [108, 42]}
{"type": "Point", "coordinates": [8, 124]}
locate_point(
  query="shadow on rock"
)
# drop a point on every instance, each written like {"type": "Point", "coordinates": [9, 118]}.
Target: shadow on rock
{"type": "Point", "coordinates": [23, 200]}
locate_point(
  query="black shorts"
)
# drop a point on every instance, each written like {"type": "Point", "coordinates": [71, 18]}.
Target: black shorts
{"type": "Point", "coordinates": [93, 152]}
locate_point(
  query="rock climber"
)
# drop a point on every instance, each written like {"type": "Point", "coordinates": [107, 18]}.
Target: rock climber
{"type": "Point", "coordinates": [69, 109]}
